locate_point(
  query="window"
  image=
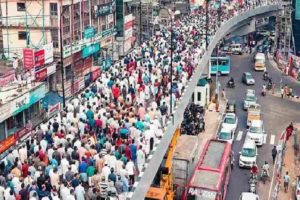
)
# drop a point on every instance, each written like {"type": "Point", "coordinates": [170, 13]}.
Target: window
{"type": "Point", "coordinates": [21, 7]}
{"type": "Point", "coordinates": [69, 73]}
{"type": "Point", "coordinates": [199, 96]}
{"type": "Point", "coordinates": [54, 35]}
{"type": "Point", "coordinates": [22, 35]}
{"type": "Point", "coordinates": [53, 9]}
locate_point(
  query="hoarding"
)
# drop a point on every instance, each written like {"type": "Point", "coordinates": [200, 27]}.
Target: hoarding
{"type": "Point", "coordinates": [48, 48]}
{"type": "Point", "coordinates": [28, 58]}
{"type": "Point", "coordinates": [39, 57]}
{"type": "Point", "coordinates": [105, 9]}
{"type": "Point", "coordinates": [297, 9]}
{"type": "Point", "coordinates": [89, 50]}
{"type": "Point", "coordinates": [88, 33]}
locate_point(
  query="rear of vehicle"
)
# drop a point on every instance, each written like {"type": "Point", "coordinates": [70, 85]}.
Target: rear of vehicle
{"type": "Point", "coordinates": [253, 113]}
{"type": "Point", "coordinates": [248, 78]}
{"type": "Point", "coordinates": [260, 62]}
{"type": "Point", "coordinates": [249, 196]}
{"type": "Point", "coordinates": [249, 100]}
{"type": "Point", "coordinates": [236, 49]}
{"type": "Point", "coordinates": [248, 154]}
{"type": "Point", "coordinates": [220, 65]}
{"type": "Point", "coordinates": [256, 132]}
{"type": "Point", "coordinates": [211, 175]}
{"type": "Point", "coordinates": [225, 134]}
{"type": "Point", "coordinates": [184, 160]}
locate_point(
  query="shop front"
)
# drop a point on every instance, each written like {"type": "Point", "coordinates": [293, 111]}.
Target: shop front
{"type": "Point", "coordinates": [15, 115]}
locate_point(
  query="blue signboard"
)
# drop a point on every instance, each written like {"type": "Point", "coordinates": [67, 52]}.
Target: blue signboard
{"type": "Point", "coordinates": [88, 32]}
{"type": "Point", "coordinates": [89, 50]}
{"type": "Point", "coordinates": [297, 9]}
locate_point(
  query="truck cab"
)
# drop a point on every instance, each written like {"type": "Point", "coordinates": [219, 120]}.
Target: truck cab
{"type": "Point", "coordinates": [155, 193]}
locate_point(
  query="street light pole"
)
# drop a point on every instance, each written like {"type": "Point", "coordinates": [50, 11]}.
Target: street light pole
{"type": "Point", "coordinates": [62, 56]}
{"type": "Point", "coordinates": [140, 22]}
{"type": "Point", "coordinates": [171, 71]}
{"type": "Point", "coordinates": [206, 24]}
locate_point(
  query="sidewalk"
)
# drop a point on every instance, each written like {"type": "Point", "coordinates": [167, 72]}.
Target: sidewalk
{"type": "Point", "coordinates": [277, 93]}
{"type": "Point", "coordinates": [290, 164]}
{"type": "Point", "coordinates": [212, 120]}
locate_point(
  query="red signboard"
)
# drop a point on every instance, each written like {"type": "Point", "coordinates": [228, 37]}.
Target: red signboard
{"type": "Point", "coordinates": [28, 58]}
{"type": "Point", "coordinates": [39, 58]}
{"type": "Point", "coordinates": [128, 25]}
{"type": "Point", "coordinates": [75, 87]}
{"type": "Point", "coordinates": [41, 74]}
{"type": "Point", "coordinates": [53, 109]}
{"type": "Point", "coordinates": [8, 142]}
{"type": "Point", "coordinates": [95, 74]}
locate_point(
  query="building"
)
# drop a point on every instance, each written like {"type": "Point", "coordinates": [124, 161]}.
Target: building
{"type": "Point", "coordinates": [30, 37]}
{"type": "Point", "coordinates": [124, 25]}
{"type": "Point", "coordinates": [296, 27]}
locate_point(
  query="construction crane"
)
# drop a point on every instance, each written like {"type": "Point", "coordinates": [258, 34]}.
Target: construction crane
{"type": "Point", "coordinates": [165, 190]}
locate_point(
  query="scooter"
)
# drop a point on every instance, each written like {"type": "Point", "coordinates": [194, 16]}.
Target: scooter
{"type": "Point", "coordinates": [263, 93]}
{"type": "Point", "coordinates": [230, 84]}
{"type": "Point", "coordinates": [264, 176]}
{"type": "Point", "coordinates": [252, 183]}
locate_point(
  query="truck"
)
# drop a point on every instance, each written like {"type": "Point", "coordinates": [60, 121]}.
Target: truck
{"type": "Point", "coordinates": [253, 113]}
{"type": "Point", "coordinates": [185, 157]}
{"type": "Point", "coordinates": [211, 175]}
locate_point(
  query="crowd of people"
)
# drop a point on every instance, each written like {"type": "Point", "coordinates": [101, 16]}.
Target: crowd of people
{"type": "Point", "coordinates": [97, 145]}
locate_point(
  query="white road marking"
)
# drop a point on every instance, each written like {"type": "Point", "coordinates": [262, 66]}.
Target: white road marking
{"type": "Point", "coordinates": [239, 136]}
{"type": "Point", "coordinates": [272, 139]}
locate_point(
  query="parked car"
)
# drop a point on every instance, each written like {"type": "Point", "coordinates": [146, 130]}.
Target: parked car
{"type": "Point", "coordinates": [226, 134]}
{"type": "Point", "coordinates": [248, 79]}
{"type": "Point", "coordinates": [249, 196]}
{"type": "Point", "coordinates": [230, 121]}
{"type": "Point", "coordinates": [256, 132]}
{"type": "Point", "coordinates": [248, 154]}
{"type": "Point", "coordinates": [250, 99]}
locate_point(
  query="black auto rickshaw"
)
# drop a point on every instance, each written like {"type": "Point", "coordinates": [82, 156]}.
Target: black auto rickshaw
{"type": "Point", "coordinates": [230, 106]}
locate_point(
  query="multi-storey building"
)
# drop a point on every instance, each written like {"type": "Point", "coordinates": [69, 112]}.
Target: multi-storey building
{"type": "Point", "coordinates": [30, 35]}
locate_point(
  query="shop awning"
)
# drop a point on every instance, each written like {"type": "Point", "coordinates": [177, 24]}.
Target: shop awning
{"type": "Point", "coordinates": [51, 98]}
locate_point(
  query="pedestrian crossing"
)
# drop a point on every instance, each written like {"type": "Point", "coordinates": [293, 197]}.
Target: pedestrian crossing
{"type": "Point", "coordinates": [268, 139]}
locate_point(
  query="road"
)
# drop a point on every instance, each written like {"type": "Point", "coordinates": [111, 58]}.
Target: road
{"type": "Point", "coordinates": [277, 113]}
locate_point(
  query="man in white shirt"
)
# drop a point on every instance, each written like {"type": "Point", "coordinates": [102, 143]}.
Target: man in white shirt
{"type": "Point", "coordinates": [79, 192]}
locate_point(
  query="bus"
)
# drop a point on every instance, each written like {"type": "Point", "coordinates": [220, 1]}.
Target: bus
{"type": "Point", "coordinates": [220, 64]}
{"type": "Point", "coordinates": [211, 175]}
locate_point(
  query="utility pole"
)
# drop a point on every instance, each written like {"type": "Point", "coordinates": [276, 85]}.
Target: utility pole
{"type": "Point", "coordinates": [206, 24]}
{"type": "Point", "coordinates": [140, 22]}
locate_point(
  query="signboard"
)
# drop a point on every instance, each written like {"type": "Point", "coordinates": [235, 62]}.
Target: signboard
{"type": "Point", "coordinates": [88, 33]}
{"type": "Point", "coordinates": [28, 58]}
{"type": "Point", "coordinates": [95, 74]}
{"type": "Point", "coordinates": [89, 50]}
{"type": "Point", "coordinates": [105, 9]}
{"type": "Point", "coordinates": [48, 48]}
{"type": "Point", "coordinates": [39, 57]}
{"type": "Point", "coordinates": [8, 142]}
{"type": "Point", "coordinates": [127, 45]}
{"type": "Point", "coordinates": [5, 112]}
{"type": "Point", "coordinates": [51, 69]}
{"type": "Point", "coordinates": [53, 109]}
{"type": "Point", "coordinates": [297, 9]}
{"type": "Point", "coordinates": [128, 26]}
{"type": "Point", "coordinates": [41, 75]}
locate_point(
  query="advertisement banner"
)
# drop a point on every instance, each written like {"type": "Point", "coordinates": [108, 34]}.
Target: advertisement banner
{"type": "Point", "coordinates": [127, 45]}
{"type": "Point", "coordinates": [5, 111]}
{"type": "Point", "coordinates": [89, 50]}
{"type": "Point", "coordinates": [28, 58]}
{"type": "Point", "coordinates": [53, 109]}
{"type": "Point", "coordinates": [105, 9]}
{"type": "Point", "coordinates": [20, 103]}
{"type": "Point", "coordinates": [87, 63]}
{"type": "Point", "coordinates": [39, 57]}
{"type": "Point", "coordinates": [51, 69]}
{"type": "Point", "coordinates": [7, 79]}
{"type": "Point", "coordinates": [8, 142]}
{"type": "Point", "coordinates": [88, 33]}
{"type": "Point", "coordinates": [48, 48]}
{"type": "Point", "coordinates": [41, 75]}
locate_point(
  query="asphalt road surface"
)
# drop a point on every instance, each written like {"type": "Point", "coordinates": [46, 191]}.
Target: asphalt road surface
{"type": "Point", "coordinates": [277, 113]}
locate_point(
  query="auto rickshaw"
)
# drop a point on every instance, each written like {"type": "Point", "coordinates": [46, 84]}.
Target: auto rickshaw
{"type": "Point", "coordinates": [230, 107]}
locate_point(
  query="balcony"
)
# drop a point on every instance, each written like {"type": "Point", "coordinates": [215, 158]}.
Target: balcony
{"type": "Point", "coordinates": [22, 22]}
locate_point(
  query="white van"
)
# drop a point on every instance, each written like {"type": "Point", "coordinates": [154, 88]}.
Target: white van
{"type": "Point", "coordinates": [256, 132]}
{"type": "Point", "coordinates": [236, 49]}
{"type": "Point", "coordinates": [248, 155]}
{"type": "Point", "coordinates": [260, 62]}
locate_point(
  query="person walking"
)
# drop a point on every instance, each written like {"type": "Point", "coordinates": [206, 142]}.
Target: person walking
{"type": "Point", "coordinates": [286, 180]}
{"type": "Point", "coordinates": [274, 154]}
{"type": "Point", "coordinates": [282, 92]}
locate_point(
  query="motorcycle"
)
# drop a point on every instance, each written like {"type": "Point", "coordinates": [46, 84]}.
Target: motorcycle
{"type": "Point", "coordinates": [252, 183]}
{"type": "Point", "coordinates": [265, 76]}
{"type": "Point", "coordinates": [269, 85]}
{"type": "Point", "coordinates": [263, 93]}
{"type": "Point", "coordinates": [230, 84]}
{"type": "Point", "coordinates": [264, 176]}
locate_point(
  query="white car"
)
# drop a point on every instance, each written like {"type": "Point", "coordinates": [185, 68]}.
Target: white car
{"type": "Point", "coordinates": [226, 134]}
{"type": "Point", "coordinates": [256, 132]}
{"type": "Point", "coordinates": [248, 155]}
{"type": "Point", "coordinates": [249, 196]}
{"type": "Point", "coordinates": [250, 99]}
{"type": "Point", "coordinates": [230, 122]}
